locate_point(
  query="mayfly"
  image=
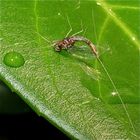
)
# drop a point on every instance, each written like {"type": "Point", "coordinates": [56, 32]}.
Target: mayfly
{"type": "Point", "coordinates": [69, 42]}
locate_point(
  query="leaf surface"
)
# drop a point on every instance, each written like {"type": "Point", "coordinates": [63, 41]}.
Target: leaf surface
{"type": "Point", "coordinates": [84, 97]}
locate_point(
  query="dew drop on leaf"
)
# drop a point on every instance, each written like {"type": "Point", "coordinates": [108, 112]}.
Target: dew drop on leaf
{"type": "Point", "coordinates": [13, 59]}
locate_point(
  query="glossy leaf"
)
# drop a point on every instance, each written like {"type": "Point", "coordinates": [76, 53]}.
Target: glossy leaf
{"type": "Point", "coordinates": [84, 97]}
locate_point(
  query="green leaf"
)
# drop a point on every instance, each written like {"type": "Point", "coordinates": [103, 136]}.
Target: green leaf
{"type": "Point", "coordinates": [84, 97]}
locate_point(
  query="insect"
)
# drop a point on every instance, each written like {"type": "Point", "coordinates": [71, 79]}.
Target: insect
{"type": "Point", "coordinates": [69, 42]}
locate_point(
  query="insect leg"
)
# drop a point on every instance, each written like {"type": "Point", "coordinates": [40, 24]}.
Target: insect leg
{"type": "Point", "coordinates": [80, 30]}
{"type": "Point", "coordinates": [70, 27]}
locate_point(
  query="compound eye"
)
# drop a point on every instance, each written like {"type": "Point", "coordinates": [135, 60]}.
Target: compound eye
{"type": "Point", "coordinates": [57, 49]}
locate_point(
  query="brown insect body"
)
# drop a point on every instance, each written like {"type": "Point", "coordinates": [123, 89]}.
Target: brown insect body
{"type": "Point", "coordinates": [68, 42]}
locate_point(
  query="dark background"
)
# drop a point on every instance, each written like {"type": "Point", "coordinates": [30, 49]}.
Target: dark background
{"type": "Point", "coordinates": [19, 122]}
{"type": "Point", "coordinates": [28, 126]}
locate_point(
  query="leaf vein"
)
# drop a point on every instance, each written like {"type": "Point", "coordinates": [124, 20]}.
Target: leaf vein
{"type": "Point", "coordinates": [120, 23]}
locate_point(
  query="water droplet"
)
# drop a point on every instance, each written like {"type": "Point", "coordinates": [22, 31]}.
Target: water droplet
{"type": "Point", "coordinates": [133, 38]}
{"type": "Point", "coordinates": [13, 59]}
{"type": "Point", "coordinates": [58, 14]}
{"type": "Point", "coordinates": [98, 3]}
{"type": "Point", "coordinates": [113, 93]}
{"type": "Point", "coordinates": [125, 95]}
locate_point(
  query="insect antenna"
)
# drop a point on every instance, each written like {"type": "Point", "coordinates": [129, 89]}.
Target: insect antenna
{"type": "Point", "coordinates": [80, 30]}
